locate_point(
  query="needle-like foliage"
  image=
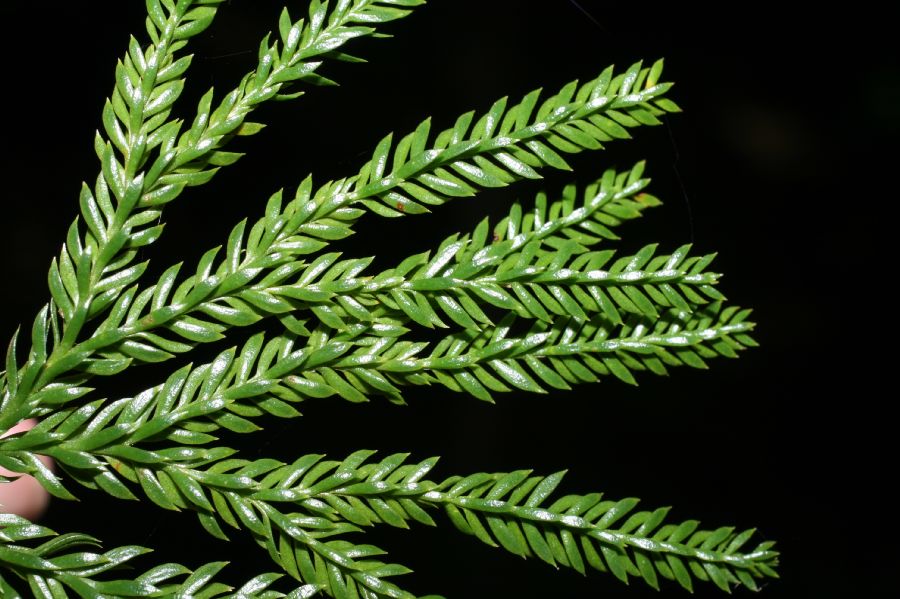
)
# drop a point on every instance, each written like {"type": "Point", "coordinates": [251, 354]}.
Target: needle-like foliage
{"type": "Point", "coordinates": [539, 301]}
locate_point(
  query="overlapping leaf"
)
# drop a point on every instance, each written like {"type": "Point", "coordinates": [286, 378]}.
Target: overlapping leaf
{"type": "Point", "coordinates": [536, 302]}
{"type": "Point", "coordinates": [509, 143]}
{"type": "Point", "coordinates": [521, 139]}
{"type": "Point", "coordinates": [66, 566]}
{"type": "Point", "coordinates": [513, 510]}
{"type": "Point", "coordinates": [147, 161]}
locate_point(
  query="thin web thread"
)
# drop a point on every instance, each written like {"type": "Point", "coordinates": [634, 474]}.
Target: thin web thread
{"type": "Point", "coordinates": [588, 14]}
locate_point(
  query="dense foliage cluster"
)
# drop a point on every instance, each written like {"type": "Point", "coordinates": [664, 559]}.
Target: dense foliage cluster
{"type": "Point", "coordinates": [538, 301]}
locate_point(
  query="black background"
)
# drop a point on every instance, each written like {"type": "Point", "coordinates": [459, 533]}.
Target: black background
{"type": "Point", "coordinates": [780, 163]}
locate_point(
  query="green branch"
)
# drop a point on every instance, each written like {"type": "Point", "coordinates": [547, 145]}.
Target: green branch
{"type": "Point", "coordinates": [122, 213]}
{"type": "Point", "coordinates": [227, 296]}
{"type": "Point", "coordinates": [271, 377]}
{"type": "Point", "coordinates": [52, 570]}
{"type": "Point", "coordinates": [96, 263]}
{"type": "Point", "coordinates": [509, 509]}
{"type": "Point", "coordinates": [533, 303]}
{"type": "Point", "coordinates": [309, 221]}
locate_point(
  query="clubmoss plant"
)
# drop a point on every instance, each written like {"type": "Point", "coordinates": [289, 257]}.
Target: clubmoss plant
{"type": "Point", "coordinates": [538, 301]}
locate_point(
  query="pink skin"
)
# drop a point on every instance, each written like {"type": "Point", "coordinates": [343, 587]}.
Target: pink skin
{"type": "Point", "coordinates": [23, 496]}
